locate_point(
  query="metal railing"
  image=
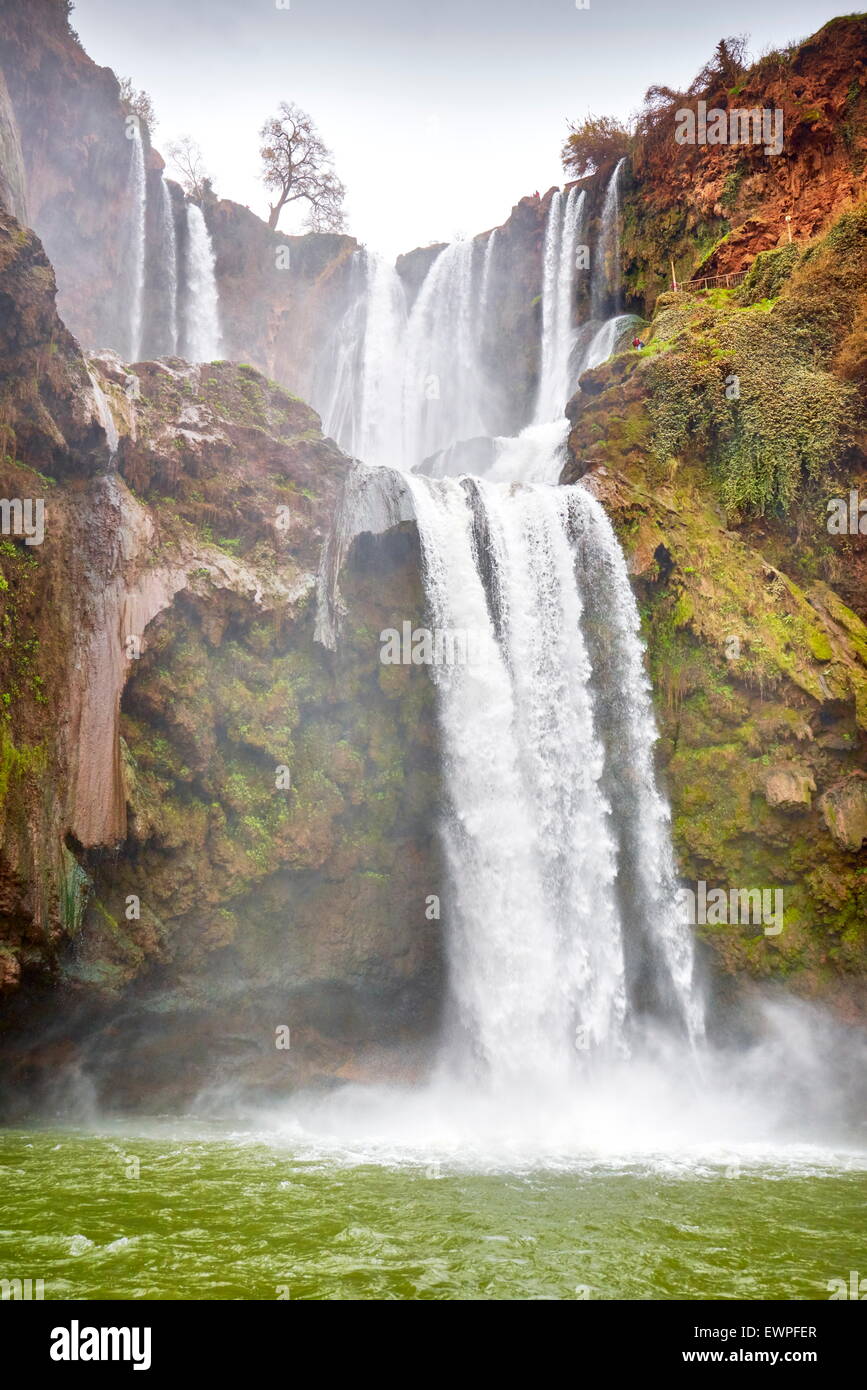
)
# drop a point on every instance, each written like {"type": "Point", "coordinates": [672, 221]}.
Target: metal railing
{"type": "Point", "coordinates": [712, 282]}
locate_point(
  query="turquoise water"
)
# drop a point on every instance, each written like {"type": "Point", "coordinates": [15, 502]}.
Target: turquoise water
{"type": "Point", "coordinates": [214, 1215]}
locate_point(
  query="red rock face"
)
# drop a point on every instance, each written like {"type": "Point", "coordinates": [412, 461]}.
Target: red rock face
{"type": "Point", "coordinates": [821, 90]}
{"type": "Point", "coordinates": [76, 162]}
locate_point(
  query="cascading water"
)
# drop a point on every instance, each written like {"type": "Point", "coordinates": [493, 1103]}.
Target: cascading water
{"type": "Point", "coordinates": [137, 241]}
{"type": "Point", "coordinates": [202, 336]}
{"type": "Point", "coordinates": [573, 1027]}
{"type": "Point", "coordinates": [572, 1030]}
{"type": "Point", "coordinates": [562, 235]}
{"type": "Point", "coordinates": [484, 292]}
{"type": "Point", "coordinates": [537, 913]}
{"type": "Point", "coordinates": [102, 410]}
{"type": "Point", "coordinates": [380, 420]}
{"type": "Point", "coordinates": [443, 384]}
{"type": "Point", "coordinates": [564, 932]}
{"type": "Point", "coordinates": [605, 285]}
{"type": "Point", "coordinates": [404, 386]}
{"type": "Point", "coordinates": [169, 261]}
{"type": "Point", "coordinates": [336, 388]}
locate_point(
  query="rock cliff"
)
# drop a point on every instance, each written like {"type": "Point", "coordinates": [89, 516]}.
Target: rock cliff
{"type": "Point", "coordinates": [718, 449]}
{"type": "Point", "coordinates": [212, 826]}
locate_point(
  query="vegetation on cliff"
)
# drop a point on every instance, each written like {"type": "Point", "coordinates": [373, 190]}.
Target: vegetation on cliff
{"type": "Point", "coordinates": [717, 447]}
{"type": "Point", "coordinates": [709, 209]}
{"type": "Point", "coordinates": [191, 789]}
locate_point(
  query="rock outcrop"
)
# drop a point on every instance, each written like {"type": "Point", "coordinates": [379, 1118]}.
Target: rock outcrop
{"type": "Point", "coordinates": [717, 449]}
{"type": "Point", "coordinates": [212, 826]}
{"type": "Point", "coordinates": [711, 208]}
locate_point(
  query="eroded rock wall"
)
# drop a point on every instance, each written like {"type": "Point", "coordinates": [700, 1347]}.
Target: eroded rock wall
{"type": "Point", "coordinates": [212, 826]}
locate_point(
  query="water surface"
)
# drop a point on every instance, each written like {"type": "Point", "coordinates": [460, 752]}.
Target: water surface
{"type": "Point", "coordinates": [214, 1215]}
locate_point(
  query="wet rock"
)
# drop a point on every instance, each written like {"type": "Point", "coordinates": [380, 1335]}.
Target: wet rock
{"type": "Point", "coordinates": [844, 810]}
{"type": "Point", "coordinates": [790, 787]}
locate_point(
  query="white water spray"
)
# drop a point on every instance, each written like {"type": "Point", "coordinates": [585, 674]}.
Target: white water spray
{"type": "Point", "coordinates": [202, 328]}
{"type": "Point", "coordinates": [563, 233]}
{"type": "Point", "coordinates": [564, 934]}
{"type": "Point", "coordinates": [605, 291]}
{"type": "Point", "coordinates": [484, 292]}
{"type": "Point", "coordinates": [380, 383]}
{"type": "Point", "coordinates": [103, 414]}
{"type": "Point", "coordinates": [538, 970]}
{"type": "Point", "coordinates": [170, 265]}
{"type": "Point", "coordinates": [443, 384]}
{"type": "Point", "coordinates": [137, 241]}
{"type": "Point", "coordinates": [405, 386]}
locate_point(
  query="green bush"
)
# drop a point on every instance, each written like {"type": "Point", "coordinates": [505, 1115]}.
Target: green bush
{"type": "Point", "coordinates": [768, 273]}
{"type": "Point", "coordinates": [753, 387]}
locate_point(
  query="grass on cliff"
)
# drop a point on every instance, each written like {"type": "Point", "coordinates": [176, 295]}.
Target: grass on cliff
{"type": "Point", "coordinates": [754, 380]}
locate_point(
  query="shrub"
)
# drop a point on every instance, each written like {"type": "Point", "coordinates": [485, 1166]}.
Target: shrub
{"type": "Point", "coordinates": [597, 141]}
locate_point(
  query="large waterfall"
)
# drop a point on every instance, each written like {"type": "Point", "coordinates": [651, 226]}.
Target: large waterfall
{"type": "Point", "coordinates": [565, 220]}
{"type": "Point", "coordinates": [202, 336]}
{"type": "Point", "coordinates": [534, 848]}
{"type": "Point", "coordinates": [606, 261]}
{"type": "Point", "coordinates": [169, 262]}
{"type": "Point", "coordinates": [137, 241]}
{"type": "Point", "coordinates": [406, 383]}
{"type": "Point", "coordinates": [563, 932]}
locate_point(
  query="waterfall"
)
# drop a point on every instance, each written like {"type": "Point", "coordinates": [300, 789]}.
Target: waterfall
{"type": "Point", "coordinates": [362, 407]}
{"type": "Point", "coordinates": [535, 856]}
{"type": "Point", "coordinates": [380, 383]}
{"type": "Point", "coordinates": [13, 181]}
{"type": "Point", "coordinates": [444, 388]}
{"type": "Point", "coordinates": [103, 413]}
{"type": "Point", "coordinates": [202, 338]}
{"type": "Point", "coordinates": [485, 288]}
{"type": "Point", "coordinates": [605, 287]}
{"type": "Point", "coordinates": [170, 266]}
{"type": "Point", "coordinates": [404, 387]}
{"type": "Point", "coordinates": [562, 233]}
{"type": "Point", "coordinates": [336, 389]}
{"type": "Point", "coordinates": [563, 931]}
{"type": "Point", "coordinates": [137, 242]}
{"type": "Point", "coordinates": [412, 390]}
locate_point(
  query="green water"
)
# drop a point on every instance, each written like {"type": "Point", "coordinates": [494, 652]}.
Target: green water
{"type": "Point", "coordinates": [228, 1218]}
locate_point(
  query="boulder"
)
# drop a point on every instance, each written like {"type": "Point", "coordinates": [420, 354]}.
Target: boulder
{"type": "Point", "coordinates": [789, 787]}
{"type": "Point", "coordinates": [844, 810]}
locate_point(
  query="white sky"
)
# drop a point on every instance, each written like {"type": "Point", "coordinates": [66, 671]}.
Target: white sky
{"type": "Point", "coordinates": [440, 113]}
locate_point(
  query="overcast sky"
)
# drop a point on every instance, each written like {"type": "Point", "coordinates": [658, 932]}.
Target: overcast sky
{"type": "Point", "coordinates": [440, 113]}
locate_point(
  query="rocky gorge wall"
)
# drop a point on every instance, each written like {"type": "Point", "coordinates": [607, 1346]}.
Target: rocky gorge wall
{"type": "Point", "coordinates": [64, 131]}
{"type": "Point", "coordinates": [212, 826]}
{"type": "Point", "coordinates": [711, 208]}
{"type": "Point", "coordinates": [716, 449]}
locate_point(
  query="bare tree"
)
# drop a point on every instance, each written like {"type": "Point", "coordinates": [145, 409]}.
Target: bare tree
{"type": "Point", "coordinates": [137, 103]}
{"type": "Point", "coordinates": [187, 158]}
{"type": "Point", "coordinates": [297, 165]}
{"type": "Point", "coordinates": [726, 66]}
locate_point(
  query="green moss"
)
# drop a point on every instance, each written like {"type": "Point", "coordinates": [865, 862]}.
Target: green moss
{"type": "Point", "coordinates": [768, 273]}
{"type": "Point", "coordinates": [17, 763]}
{"type": "Point", "coordinates": [819, 645]}
{"type": "Point", "coordinates": [747, 383]}
{"type": "Point", "coordinates": [75, 886]}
